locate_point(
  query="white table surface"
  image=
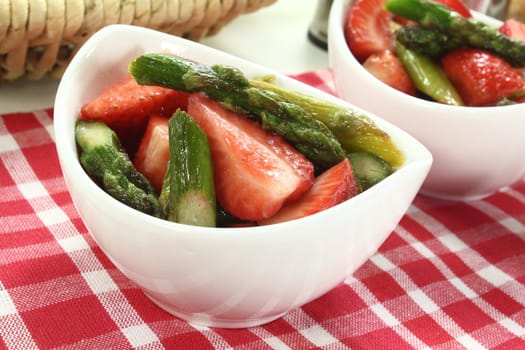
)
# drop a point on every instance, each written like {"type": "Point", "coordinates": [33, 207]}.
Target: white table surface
{"type": "Point", "coordinates": [274, 36]}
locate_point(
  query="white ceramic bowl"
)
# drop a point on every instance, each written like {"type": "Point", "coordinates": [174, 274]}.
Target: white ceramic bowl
{"type": "Point", "coordinates": [476, 150]}
{"type": "Point", "coordinates": [224, 277]}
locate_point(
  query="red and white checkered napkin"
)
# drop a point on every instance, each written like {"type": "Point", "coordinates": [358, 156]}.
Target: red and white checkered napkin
{"type": "Point", "coordinates": [451, 276]}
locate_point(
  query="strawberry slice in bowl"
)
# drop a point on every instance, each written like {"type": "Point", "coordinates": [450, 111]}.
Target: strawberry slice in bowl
{"type": "Point", "coordinates": [386, 67]}
{"type": "Point", "coordinates": [367, 29]}
{"type": "Point", "coordinates": [513, 28]}
{"type": "Point", "coordinates": [125, 107]}
{"type": "Point", "coordinates": [332, 187]}
{"type": "Point", "coordinates": [482, 78]}
{"type": "Point", "coordinates": [255, 171]}
{"type": "Point", "coordinates": [153, 152]}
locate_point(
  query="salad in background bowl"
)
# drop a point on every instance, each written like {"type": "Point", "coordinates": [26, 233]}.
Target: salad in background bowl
{"type": "Point", "coordinates": [231, 276]}
{"type": "Point", "coordinates": [465, 102]}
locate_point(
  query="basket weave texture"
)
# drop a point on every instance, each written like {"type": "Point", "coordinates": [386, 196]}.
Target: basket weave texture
{"type": "Point", "coordinates": [38, 38]}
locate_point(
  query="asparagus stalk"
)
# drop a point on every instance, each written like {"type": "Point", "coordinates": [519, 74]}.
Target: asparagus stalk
{"type": "Point", "coordinates": [368, 169]}
{"type": "Point", "coordinates": [425, 40]}
{"type": "Point", "coordinates": [355, 131]}
{"type": "Point", "coordinates": [108, 164]}
{"type": "Point", "coordinates": [468, 31]}
{"type": "Point", "coordinates": [428, 76]}
{"type": "Point", "coordinates": [228, 86]}
{"type": "Point", "coordinates": [188, 192]}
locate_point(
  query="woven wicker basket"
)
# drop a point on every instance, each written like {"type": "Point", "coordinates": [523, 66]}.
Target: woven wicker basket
{"type": "Point", "coordinates": [39, 37]}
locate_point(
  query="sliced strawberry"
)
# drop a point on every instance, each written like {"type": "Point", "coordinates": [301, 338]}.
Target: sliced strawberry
{"type": "Point", "coordinates": [125, 107]}
{"type": "Point", "coordinates": [513, 29]}
{"type": "Point", "coordinates": [332, 187]}
{"type": "Point", "coordinates": [480, 77]}
{"type": "Point", "coordinates": [255, 171]}
{"type": "Point", "coordinates": [386, 67]}
{"type": "Point", "coordinates": [367, 28]}
{"type": "Point", "coordinates": [457, 6]}
{"type": "Point", "coordinates": [154, 151]}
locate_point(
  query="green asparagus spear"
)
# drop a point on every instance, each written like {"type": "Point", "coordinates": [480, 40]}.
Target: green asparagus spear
{"type": "Point", "coordinates": [426, 40]}
{"type": "Point", "coordinates": [369, 169]}
{"type": "Point", "coordinates": [188, 193]}
{"type": "Point", "coordinates": [228, 86]}
{"type": "Point", "coordinates": [108, 164]}
{"type": "Point", "coordinates": [469, 31]}
{"type": "Point", "coordinates": [356, 131]}
{"type": "Point", "coordinates": [428, 76]}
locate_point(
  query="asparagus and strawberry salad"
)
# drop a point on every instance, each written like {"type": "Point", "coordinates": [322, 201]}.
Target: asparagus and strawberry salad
{"type": "Point", "coordinates": [204, 145]}
{"type": "Point", "coordinates": [437, 50]}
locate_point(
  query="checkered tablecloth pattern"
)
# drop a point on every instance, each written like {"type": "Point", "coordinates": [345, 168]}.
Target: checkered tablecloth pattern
{"type": "Point", "coordinates": [450, 276]}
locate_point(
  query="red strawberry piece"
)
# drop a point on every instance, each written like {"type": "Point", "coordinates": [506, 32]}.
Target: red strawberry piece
{"type": "Point", "coordinates": [513, 29]}
{"type": "Point", "coordinates": [332, 187]}
{"type": "Point", "coordinates": [386, 67]}
{"type": "Point", "coordinates": [154, 151]}
{"type": "Point", "coordinates": [126, 106]}
{"type": "Point", "coordinates": [457, 6]}
{"type": "Point", "coordinates": [255, 171]}
{"type": "Point", "coordinates": [480, 77]}
{"type": "Point", "coordinates": [367, 28]}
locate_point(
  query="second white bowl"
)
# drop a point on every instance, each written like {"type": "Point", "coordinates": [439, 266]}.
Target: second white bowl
{"type": "Point", "coordinates": [476, 150]}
